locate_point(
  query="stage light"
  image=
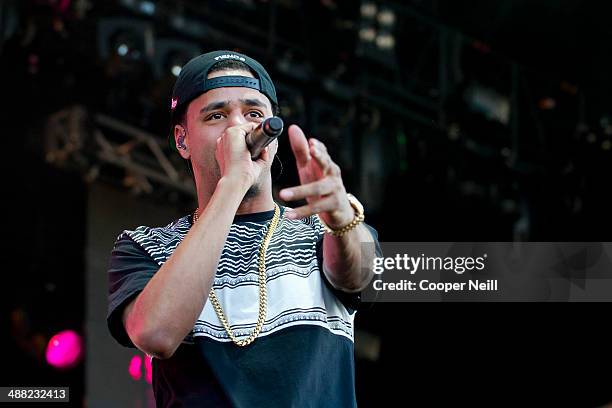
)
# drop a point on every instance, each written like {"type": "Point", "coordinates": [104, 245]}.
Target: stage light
{"type": "Point", "coordinates": [64, 350]}
{"type": "Point", "coordinates": [367, 34]}
{"type": "Point", "coordinates": [127, 45]}
{"type": "Point", "coordinates": [130, 39]}
{"type": "Point", "coordinates": [368, 10]}
{"type": "Point", "coordinates": [142, 7]}
{"type": "Point", "coordinates": [147, 7]}
{"type": "Point", "coordinates": [171, 54]}
{"type": "Point", "coordinates": [386, 18]}
{"type": "Point", "coordinates": [385, 41]}
{"type": "Point", "coordinates": [174, 61]}
{"type": "Point", "coordinates": [123, 50]}
{"type": "Point", "coordinates": [148, 369]}
{"type": "Point", "coordinates": [375, 32]}
{"type": "Point", "coordinates": [134, 369]}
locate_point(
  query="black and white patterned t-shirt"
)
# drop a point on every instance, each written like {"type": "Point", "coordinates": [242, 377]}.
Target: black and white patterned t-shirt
{"type": "Point", "coordinates": [303, 356]}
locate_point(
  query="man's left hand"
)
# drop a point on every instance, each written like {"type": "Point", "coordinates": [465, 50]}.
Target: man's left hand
{"type": "Point", "coordinates": [321, 183]}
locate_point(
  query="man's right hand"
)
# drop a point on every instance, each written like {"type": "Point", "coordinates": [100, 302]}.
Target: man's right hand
{"type": "Point", "coordinates": [234, 157]}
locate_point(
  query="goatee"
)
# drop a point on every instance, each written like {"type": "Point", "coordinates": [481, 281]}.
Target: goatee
{"type": "Point", "coordinates": [251, 192]}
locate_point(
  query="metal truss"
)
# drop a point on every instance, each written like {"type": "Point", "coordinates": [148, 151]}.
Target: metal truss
{"type": "Point", "coordinates": [99, 145]}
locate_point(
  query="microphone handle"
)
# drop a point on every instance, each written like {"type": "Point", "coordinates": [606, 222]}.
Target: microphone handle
{"type": "Point", "coordinates": [263, 135]}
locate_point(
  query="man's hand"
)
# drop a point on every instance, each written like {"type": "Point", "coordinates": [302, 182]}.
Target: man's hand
{"type": "Point", "coordinates": [234, 157]}
{"type": "Point", "coordinates": [322, 187]}
{"type": "Point", "coordinates": [321, 183]}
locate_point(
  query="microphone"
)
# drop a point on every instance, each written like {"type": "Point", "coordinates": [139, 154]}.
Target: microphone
{"type": "Point", "coordinates": [263, 135]}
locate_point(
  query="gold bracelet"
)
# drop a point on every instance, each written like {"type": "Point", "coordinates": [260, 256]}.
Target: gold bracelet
{"type": "Point", "coordinates": [359, 218]}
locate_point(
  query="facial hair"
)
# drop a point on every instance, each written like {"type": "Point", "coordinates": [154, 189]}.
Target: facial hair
{"type": "Point", "coordinates": [251, 193]}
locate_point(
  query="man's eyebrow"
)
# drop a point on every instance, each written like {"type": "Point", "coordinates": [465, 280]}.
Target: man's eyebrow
{"type": "Point", "coordinates": [224, 104]}
{"type": "Point", "coordinates": [214, 106]}
{"type": "Point", "coordinates": [253, 102]}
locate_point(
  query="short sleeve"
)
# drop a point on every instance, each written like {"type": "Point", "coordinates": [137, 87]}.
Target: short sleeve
{"type": "Point", "coordinates": [129, 271]}
{"type": "Point", "coordinates": [350, 300]}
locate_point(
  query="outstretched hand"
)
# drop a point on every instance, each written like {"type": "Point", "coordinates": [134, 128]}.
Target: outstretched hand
{"type": "Point", "coordinates": [320, 183]}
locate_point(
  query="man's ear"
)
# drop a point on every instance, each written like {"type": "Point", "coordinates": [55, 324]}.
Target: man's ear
{"type": "Point", "coordinates": [180, 138]}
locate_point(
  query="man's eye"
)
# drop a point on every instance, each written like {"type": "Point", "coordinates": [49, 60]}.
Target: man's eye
{"type": "Point", "coordinates": [215, 116]}
{"type": "Point", "coordinates": [255, 114]}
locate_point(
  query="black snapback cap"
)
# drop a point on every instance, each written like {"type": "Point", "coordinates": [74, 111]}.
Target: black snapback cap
{"type": "Point", "coordinates": [193, 81]}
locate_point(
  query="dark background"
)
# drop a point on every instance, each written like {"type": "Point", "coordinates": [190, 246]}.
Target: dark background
{"type": "Point", "coordinates": [416, 145]}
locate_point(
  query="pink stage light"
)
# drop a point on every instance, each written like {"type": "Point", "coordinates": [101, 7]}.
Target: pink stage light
{"type": "Point", "coordinates": [148, 370]}
{"type": "Point", "coordinates": [64, 350]}
{"type": "Point", "coordinates": [134, 368]}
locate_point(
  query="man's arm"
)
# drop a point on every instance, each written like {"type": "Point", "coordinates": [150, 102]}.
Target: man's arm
{"type": "Point", "coordinates": [160, 317]}
{"type": "Point", "coordinates": [165, 311]}
{"type": "Point", "coordinates": [343, 257]}
{"type": "Point", "coordinates": [323, 189]}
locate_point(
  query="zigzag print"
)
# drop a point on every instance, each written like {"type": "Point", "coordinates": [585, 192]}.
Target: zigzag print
{"type": "Point", "coordinates": [273, 324]}
{"type": "Point", "coordinates": [267, 322]}
{"type": "Point", "coordinates": [252, 277]}
{"type": "Point", "coordinates": [291, 271]}
{"type": "Point", "coordinates": [317, 318]}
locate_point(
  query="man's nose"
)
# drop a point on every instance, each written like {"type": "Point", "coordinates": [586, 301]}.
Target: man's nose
{"type": "Point", "coordinates": [235, 118]}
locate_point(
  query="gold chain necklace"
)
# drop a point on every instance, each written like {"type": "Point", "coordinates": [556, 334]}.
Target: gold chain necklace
{"type": "Point", "coordinates": [262, 286]}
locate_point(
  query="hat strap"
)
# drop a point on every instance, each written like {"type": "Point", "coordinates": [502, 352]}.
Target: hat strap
{"type": "Point", "coordinates": [227, 81]}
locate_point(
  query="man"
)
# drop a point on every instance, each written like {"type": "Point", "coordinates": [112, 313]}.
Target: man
{"type": "Point", "coordinates": [244, 303]}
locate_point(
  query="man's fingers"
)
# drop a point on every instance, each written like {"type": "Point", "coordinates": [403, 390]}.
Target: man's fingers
{"type": "Point", "coordinates": [323, 159]}
{"type": "Point", "coordinates": [315, 189]}
{"type": "Point", "coordinates": [329, 203]}
{"type": "Point", "coordinates": [264, 156]}
{"type": "Point", "coordinates": [319, 152]}
{"type": "Point", "coordinates": [235, 135]}
{"type": "Point", "coordinates": [299, 145]}
{"type": "Point", "coordinates": [313, 142]}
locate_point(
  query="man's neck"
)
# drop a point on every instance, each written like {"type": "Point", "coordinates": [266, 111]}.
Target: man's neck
{"type": "Point", "coordinates": [260, 202]}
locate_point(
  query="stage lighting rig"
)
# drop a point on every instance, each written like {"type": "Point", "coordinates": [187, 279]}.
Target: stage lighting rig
{"type": "Point", "coordinates": [171, 55]}
{"type": "Point", "coordinates": [129, 39]}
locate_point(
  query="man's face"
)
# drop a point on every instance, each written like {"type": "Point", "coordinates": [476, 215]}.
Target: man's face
{"type": "Point", "coordinates": [211, 113]}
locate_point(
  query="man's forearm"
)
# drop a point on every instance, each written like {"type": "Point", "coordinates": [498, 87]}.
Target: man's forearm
{"type": "Point", "coordinates": [344, 258]}
{"type": "Point", "coordinates": [166, 310]}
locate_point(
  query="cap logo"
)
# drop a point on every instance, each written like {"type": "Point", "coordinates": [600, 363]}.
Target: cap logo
{"type": "Point", "coordinates": [229, 56]}
{"type": "Point", "coordinates": [174, 103]}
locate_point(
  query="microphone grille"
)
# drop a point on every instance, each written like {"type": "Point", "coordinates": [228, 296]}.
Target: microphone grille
{"type": "Point", "coordinates": [274, 125]}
